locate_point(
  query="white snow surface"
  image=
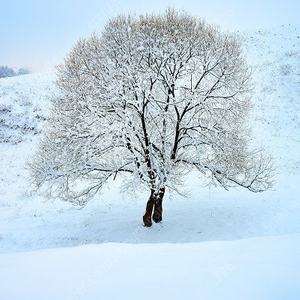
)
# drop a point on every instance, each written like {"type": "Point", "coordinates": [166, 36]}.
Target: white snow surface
{"type": "Point", "coordinates": [257, 268]}
{"type": "Point", "coordinates": [212, 245]}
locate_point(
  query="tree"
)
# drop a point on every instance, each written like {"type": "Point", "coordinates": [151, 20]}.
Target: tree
{"type": "Point", "coordinates": [23, 71]}
{"type": "Point", "coordinates": [154, 97]}
{"type": "Point", "coordinates": [5, 71]}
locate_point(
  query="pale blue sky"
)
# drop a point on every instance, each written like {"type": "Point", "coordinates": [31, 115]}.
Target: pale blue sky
{"type": "Point", "coordinates": [38, 34]}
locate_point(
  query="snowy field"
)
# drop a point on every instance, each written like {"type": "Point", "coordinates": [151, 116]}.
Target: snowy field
{"type": "Point", "coordinates": [211, 245]}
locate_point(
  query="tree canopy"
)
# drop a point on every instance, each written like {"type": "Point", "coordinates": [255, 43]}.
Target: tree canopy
{"type": "Point", "coordinates": [155, 97]}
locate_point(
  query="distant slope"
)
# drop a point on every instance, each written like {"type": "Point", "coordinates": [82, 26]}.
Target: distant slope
{"type": "Point", "coordinates": [275, 57]}
{"type": "Point", "coordinates": [24, 105]}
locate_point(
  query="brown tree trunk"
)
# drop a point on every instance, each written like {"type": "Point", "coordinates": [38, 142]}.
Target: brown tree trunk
{"type": "Point", "coordinates": [149, 208]}
{"type": "Point", "coordinates": [158, 210]}
{"type": "Point", "coordinates": [154, 205]}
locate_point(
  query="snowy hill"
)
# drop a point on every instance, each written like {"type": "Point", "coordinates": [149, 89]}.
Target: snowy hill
{"type": "Point", "coordinates": [24, 103]}
{"type": "Point", "coordinates": [229, 237]}
{"type": "Point", "coordinates": [275, 55]}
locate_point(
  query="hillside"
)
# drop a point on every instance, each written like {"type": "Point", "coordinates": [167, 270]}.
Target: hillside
{"type": "Point", "coordinates": [24, 105]}
{"type": "Point", "coordinates": [220, 230]}
{"type": "Point", "coordinates": [275, 56]}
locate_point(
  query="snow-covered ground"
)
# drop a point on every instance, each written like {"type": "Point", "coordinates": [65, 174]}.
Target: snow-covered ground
{"type": "Point", "coordinates": [252, 269]}
{"type": "Point", "coordinates": [212, 245]}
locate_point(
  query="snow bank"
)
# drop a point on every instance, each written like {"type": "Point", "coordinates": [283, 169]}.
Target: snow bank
{"type": "Point", "coordinates": [258, 268]}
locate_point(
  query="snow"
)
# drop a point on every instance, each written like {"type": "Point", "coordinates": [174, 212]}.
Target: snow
{"type": "Point", "coordinates": [257, 268]}
{"type": "Point", "coordinates": [213, 244]}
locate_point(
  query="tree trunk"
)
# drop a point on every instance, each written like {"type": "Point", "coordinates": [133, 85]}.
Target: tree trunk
{"type": "Point", "coordinates": [157, 214]}
{"type": "Point", "coordinates": [154, 206]}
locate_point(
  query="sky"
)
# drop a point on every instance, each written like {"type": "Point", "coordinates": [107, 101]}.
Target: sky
{"type": "Point", "coordinates": [39, 34]}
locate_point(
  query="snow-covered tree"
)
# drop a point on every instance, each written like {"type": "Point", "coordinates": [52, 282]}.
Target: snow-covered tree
{"type": "Point", "coordinates": [5, 71]}
{"type": "Point", "coordinates": [153, 97]}
{"type": "Point", "coordinates": [23, 71]}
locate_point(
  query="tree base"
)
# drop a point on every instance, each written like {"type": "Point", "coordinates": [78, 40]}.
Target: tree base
{"type": "Point", "coordinates": [147, 222]}
{"type": "Point", "coordinates": [154, 206]}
